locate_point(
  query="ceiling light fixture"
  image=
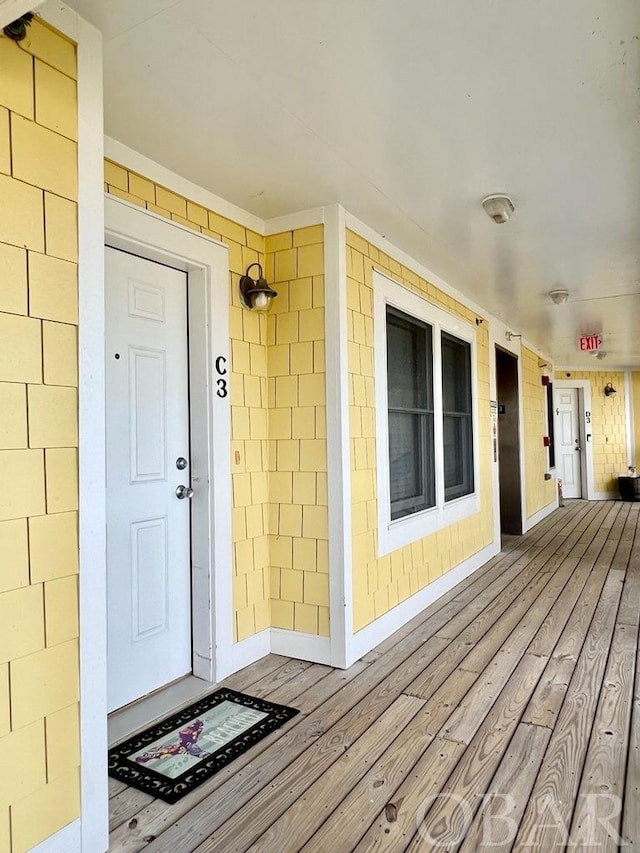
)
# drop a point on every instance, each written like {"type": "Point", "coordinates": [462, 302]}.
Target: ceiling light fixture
{"type": "Point", "coordinates": [498, 207]}
{"type": "Point", "coordinates": [256, 293]}
{"type": "Point", "coordinates": [559, 295]}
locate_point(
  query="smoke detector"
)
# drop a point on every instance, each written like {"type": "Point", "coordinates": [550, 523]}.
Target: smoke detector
{"type": "Point", "coordinates": [498, 207]}
{"type": "Point", "coordinates": [559, 295]}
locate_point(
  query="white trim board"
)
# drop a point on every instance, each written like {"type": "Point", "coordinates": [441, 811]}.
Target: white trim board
{"type": "Point", "coordinates": [130, 159]}
{"type": "Point", "coordinates": [296, 644]}
{"type": "Point", "coordinates": [539, 516]}
{"type": "Point", "coordinates": [291, 221]}
{"type": "Point", "coordinates": [338, 447]}
{"type": "Point", "coordinates": [250, 650]}
{"type": "Point", "coordinates": [628, 418]}
{"type": "Point", "coordinates": [206, 263]}
{"type": "Point", "coordinates": [94, 823]}
{"type": "Point", "coordinates": [373, 634]}
{"type": "Point", "coordinates": [66, 840]}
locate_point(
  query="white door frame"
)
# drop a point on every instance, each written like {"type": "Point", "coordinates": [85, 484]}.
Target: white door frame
{"type": "Point", "coordinates": [585, 424]}
{"type": "Point", "coordinates": [206, 263]}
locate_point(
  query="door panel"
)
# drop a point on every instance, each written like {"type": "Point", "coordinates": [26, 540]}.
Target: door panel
{"type": "Point", "coordinates": [568, 452]}
{"type": "Point", "coordinates": [148, 528]}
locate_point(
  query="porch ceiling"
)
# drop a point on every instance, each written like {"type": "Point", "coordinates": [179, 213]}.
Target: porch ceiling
{"type": "Point", "coordinates": [408, 114]}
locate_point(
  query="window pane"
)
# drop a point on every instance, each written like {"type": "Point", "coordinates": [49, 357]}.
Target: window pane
{"type": "Point", "coordinates": [408, 362]}
{"type": "Point", "coordinates": [411, 473]}
{"type": "Point", "coordinates": [458, 460]}
{"type": "Point", "coordinates": [456, 379]}
{"type": "Point", "coordinates": [457, 422]}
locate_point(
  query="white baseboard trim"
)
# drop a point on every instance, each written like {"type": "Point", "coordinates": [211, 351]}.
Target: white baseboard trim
{"type": "Point", "coordinates": [246, 652]}
{"type": "Point", "coordinates": [295, 644]}
{"type": "Point", "coordinates": [606, 496]}
{"type": "Point", "coordinates": [370, 636]}
{"type": "Point", "coordinates": [67, 840]}
{"type": "Point", "coordinates": [539, 516]}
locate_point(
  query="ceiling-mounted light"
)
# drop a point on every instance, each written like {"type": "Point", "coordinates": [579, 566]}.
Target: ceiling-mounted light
{"type": "Point", "coordinates": [559, 295]}
{"type": "Point", "coordinates": [609, 390]}
{"type": "Point", "coordinates": [256, 293]}
{"type": "Point", "coordinates": [498, 207]}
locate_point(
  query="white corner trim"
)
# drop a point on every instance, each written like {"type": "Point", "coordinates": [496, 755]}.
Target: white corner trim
{"type": "Point", "coordinates": [10, 10]}
{"type": "Point", "coordinates": [148, 168]}
{"type": "Point", "coordinates": [338, 449]}
{"type": "Point", "coordinates": [374, 633]}
{"type": "Point", "coordinates": [295, 644]}
{"type": "Point", "coordinates": [628, 418]}
{"type": "Point", "coordinates": [67, 840]}
{"type": "Point", "coordinates": [249, 651]}
{"type": "Point", "coordinates": [291, 221]}
{"type": "Point", "coordinates": [539, 516]}
{"type": "Point", "coordinates": [91, 833]}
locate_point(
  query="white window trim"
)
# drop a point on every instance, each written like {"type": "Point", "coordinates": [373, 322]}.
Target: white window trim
{"type": "Point", "coordinates": [395, 534]}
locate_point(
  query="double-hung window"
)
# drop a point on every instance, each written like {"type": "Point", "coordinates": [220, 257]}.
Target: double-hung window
{"type": "Point", "coordinates": [425, 416]}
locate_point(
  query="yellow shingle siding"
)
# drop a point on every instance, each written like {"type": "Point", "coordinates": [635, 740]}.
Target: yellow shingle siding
{"type": "Point", "coordinates": [539, 492]}
{"type": "Point", "coordinates": [39, 791]}
{"type": "Point", "coordinates": [608, 426]}
{"type": "Point", "coordinates": [297, 432]}
{"type": "Point", "coordinates": [380, 583]}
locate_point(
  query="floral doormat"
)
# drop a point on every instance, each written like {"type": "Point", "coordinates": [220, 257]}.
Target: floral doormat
{"type": "Point", "coordinates": [173, 757]}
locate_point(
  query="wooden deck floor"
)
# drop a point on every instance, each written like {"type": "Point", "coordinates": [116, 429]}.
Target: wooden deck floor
{"type": "Point", "coordinates": [504, 717]}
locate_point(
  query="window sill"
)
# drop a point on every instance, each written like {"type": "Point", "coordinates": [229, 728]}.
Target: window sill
{"type": "Point", "coordinates": [404, 531]}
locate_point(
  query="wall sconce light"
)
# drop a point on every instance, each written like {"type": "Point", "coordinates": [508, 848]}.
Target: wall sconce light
{"type": "Point", "coordinates": [17, 30]}
{"type": "Point", "coordinates": [256, 293]}
{"type": "Point", "coordinates": [609, 390]}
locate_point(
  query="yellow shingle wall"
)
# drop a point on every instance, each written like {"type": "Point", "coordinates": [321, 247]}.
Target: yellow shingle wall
{"type": "Point", "coordinates": [607, 426]}
{"type": "Point", "coordinates": [635, 392]}
{"type": "Point", "coordinates": [297, 432]}
{"type": "Point", "coordinates": [248, 385]}
{"type": "Point", "coordinates": [39, 727]}
{"type": "Point", "coordinates": [380, 583]}
{"type": "Point", "coordinates": [539, 492]}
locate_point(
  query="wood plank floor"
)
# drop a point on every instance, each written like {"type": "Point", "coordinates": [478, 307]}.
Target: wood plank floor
{"type": "Point", "coordinates": [504, 717]}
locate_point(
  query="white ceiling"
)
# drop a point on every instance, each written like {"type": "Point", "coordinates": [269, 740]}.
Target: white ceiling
{"type": "Point", "coordinates": [408, 112]}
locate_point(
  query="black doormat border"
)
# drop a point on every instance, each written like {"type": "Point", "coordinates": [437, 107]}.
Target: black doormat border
{"type": "Point", "coordinates": [127, 770]}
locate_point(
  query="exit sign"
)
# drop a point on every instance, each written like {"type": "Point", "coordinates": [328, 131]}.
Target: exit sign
{"type": "Point", "coordinates": [588, 343]}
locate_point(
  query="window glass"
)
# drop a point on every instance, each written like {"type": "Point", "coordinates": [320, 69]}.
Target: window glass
{"type": "Point", "coordinates": [410, 413]}
{"type": "Point", "coordinates": [457, 417]}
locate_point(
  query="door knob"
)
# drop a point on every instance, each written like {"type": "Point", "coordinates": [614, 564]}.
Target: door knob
{"type": "Point", "coordinates": [183, 492]}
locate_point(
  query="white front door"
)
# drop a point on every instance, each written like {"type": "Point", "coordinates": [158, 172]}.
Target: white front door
{"type": "Point", "coordinates": [568, 449]}
{"type": "Point", "coordinates": [148, 526]}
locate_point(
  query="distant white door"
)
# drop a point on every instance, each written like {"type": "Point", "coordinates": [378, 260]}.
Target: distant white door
{"type": "Point", "coordinates": [148, 526]}
{"type": "Point", "coordinates": [568, 449]}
